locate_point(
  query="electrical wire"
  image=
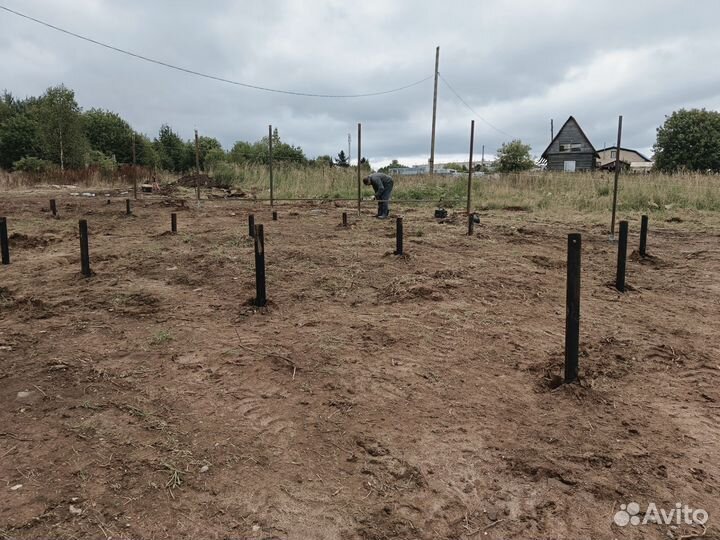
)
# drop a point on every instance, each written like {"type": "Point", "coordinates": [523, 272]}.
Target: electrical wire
{"type": "Point", "coordinates": [473, 110]}
{"type": "Point", "coordinates": [207, 76]}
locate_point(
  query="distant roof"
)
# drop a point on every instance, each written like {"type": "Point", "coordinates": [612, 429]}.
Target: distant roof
{"type": "Point", "coordinates": [560, 131]}
{"type": "Point", "coordinates": [622, 148]}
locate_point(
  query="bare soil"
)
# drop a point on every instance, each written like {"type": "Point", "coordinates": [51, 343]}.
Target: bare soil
{"type": "Point", "coordinates": [375, 397]}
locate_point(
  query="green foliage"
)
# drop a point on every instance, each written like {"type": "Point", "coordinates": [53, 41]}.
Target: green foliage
{"type": "Point", "coordinates": [213, 157]}
{"type": "Point", "coordinates": [259, 152]}
{"type": "Point", "coordinates": [108, 133]}
{"type": "Point", "coordinates": [206, 145]}
{"type": "Point", "coordinates": [106, 164]}
{"type": "Point", "coordinates": [690, 140]}
{"type": "Point", "coordinates": [19, 138]}
{"type": "Point", "coordinates": [514, 156]}
{"type": "Point", "coordinates": [457, 167]}
{"type": "Point", "coordinates": [60, 127]}
{"type": "Point", "coordinates": [32, 165]}
{"type": "Point", "coordinates": [225, 174]}
{"type": "Point", "coordinates": [394, 164]}
{"type": "Point", "coordinates": [145, 152]}
{"type": "Point", "coordinates": [342, 160]}
{"type": "Point", "coordinates": [172, 151]}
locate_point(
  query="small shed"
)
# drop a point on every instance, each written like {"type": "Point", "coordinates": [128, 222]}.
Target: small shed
{"type": "Point", "coordinates": [570, 150]}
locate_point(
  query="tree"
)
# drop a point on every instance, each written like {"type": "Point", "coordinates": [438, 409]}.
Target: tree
{"type": "Point", "coordinates": [172, 151]}
{"type": "Point", "coordinates": [110, 134]}
{"type": "Point", "coordinates": [145, 152]}
{"type": "Point", "coordinates": [689, 139]}
{"type": "Point", "coordinates": [259, 151]}
{"type": "Point", "coordinates": [394, 164]}
{"type": "Point", "coordinates": [61, 130]}
{"type": "Point", "coordinates": [341, 160]}
{"type": "Point", "coordinates": [514, 156]}
{"type": "Point", "coordinates": [19, 138]}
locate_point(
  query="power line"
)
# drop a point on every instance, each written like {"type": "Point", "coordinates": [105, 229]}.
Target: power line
{"type": "Point", "coordinates": [205, 75]}
{"type": "Point", "coordinates": [473, 110]}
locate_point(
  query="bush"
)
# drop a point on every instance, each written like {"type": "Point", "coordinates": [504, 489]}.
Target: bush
{"type": "Point", "coordinates": [225, 174]}
{"type": "Point", "coordinates": [32, 165]}
{"type": "Point", "coordinates": [106, 165]}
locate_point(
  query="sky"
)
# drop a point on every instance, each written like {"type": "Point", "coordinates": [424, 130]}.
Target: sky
{"type": "Point", "coordinates": [515, 64]}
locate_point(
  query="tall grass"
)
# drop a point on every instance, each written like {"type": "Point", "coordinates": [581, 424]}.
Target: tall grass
{"type": "Point", "coordinates": [590, 192]}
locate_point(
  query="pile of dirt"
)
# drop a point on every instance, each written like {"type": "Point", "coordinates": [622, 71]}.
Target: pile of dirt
{"type": "Point", "coordinates": [192, 180]}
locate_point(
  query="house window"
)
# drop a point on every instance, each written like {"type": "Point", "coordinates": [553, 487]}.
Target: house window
{"type": "Point", "coordinates": [613, 154]}
{"type": "Point", "coordinates": [571, 147]}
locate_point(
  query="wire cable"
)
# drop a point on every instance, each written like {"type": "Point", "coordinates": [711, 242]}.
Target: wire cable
{"type": "Point", "coordinates": [207, 76]}
{"type": "Point", "coordinates": [473, 110]}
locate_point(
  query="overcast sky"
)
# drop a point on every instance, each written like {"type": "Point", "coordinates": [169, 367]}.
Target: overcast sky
{"type": "Point", "coordinates": [517, 63]}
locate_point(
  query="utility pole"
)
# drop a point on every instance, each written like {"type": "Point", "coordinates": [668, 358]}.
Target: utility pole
{"type": "Point", "coordinates": [434, 116]}
{"type": "Point", "coordinates": [482, 160]}
{"type": "Point", "coordinates": [197, 165]}
{"type": "Point", "coordinates": [359, 195]}
{"type": "Point", "coordinates": [134, 168]}
{"type": "Point", "coordinates": [349, 152]}
{"type": "Point", "coordinates": [617, 174]}
{"type": "Point", "coordinates": [552, 130]}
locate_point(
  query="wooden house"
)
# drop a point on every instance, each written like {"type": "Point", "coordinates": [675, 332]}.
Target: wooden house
{"type": "Point", "coordinates": [570, 150]}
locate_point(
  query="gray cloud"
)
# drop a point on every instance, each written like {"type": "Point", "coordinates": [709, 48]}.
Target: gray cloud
{"type": "Point", "coordinates": [518, 63]}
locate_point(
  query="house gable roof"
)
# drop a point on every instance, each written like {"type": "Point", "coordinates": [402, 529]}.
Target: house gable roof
{"type": "Point", "coordinates": [623, 149]}
{"type": "Point", "coordinates": [572, 118]}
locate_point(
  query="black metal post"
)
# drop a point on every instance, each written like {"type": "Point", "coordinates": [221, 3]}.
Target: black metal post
{"type": "Point", "coordinates": [399, 236]}
{"type": "Point", "coordinates": [173, 223]}
{"type": "Point", "coordinates": [622, 257]}
{"type": "Point", "coordinates": [84, 249]}
{"type": "Point", "coordinates": [572, 309]}
{"type": "Point", "coordinates": [643, 236]}
{"type": "Point", "coordinates": [471, 224]}
{"type": "Point", "coordinates": [275, 216]}
{"type": "Point", "coordinates": [260, 292]}
{"type": "Point", "coordinates": [251, 225]}
{"type": "Point", "coordinates": [53, 207]}
{"type": "Point", "coordinates": [4, 246]}
{"type": "Point", "coordinates": [344, 219]}
{"type": "Point", "coordinates": [128, 211]}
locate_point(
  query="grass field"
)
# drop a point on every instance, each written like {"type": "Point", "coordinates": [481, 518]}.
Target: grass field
{"type": "Point", "coordinates": [530, 191]}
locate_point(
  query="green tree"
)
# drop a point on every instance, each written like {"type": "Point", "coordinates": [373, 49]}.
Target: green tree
{"type": "Point", "coordinates": [145, 152]}
{"type": "Point", "coordinates": [689, 139]}
{"type": "Point", "coordinates": [171, 150]}
{"type": "Point", "coordinates": [61, 129]}
{"type": "Point", "coordinates": [209, 147]}
{"type": "Point", "coordinates": [19, 138]}
{"type": "Point", "coordinates": [394, 164]}
{"type": "Point", "coordinates": [259, 151]}
{"type": "Point", "coordinates": [514, 156]}
{"type": "Point", "coordinates": [109, 134]}
{"type": "Point", "coordinates": [341, 160]}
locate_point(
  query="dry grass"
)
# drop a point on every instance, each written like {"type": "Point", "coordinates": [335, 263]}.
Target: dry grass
{"type": "Point", "coordinates": [532, 191]}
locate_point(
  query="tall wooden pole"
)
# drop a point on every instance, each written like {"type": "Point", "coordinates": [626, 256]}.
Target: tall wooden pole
{"type": "Point", "coordinates": [270, 165]}
{"type": "Point", "coordinates": [134, 168]}
{"type": "Point", "coordinates": [359, 175]}
{"type": "Point", "coordinates": [482, 160]}
{"type": "Point", "coordinates": [197, 165]}
{"type": "Point", "coordinates": [617, 175]}
{"type": "Point", "coordinates": [552, 130]}
{"type": "Point", "coordinates": [470, 166]}
{"type": "Point", "coordinates": [434, 114]}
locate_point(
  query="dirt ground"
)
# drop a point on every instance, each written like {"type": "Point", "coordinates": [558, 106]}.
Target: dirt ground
{"type": "Point", "coordinates": [376, 397]}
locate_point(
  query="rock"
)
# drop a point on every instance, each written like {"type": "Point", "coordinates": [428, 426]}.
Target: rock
{"type": "Point", "coordinates": [25, 395]}
{"type": "Point", "coordinates": [204, 468]}
{"type": "Point", "coordinates": [16, 487]}
{"type": "Point", "coordinates": [75, 510]}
